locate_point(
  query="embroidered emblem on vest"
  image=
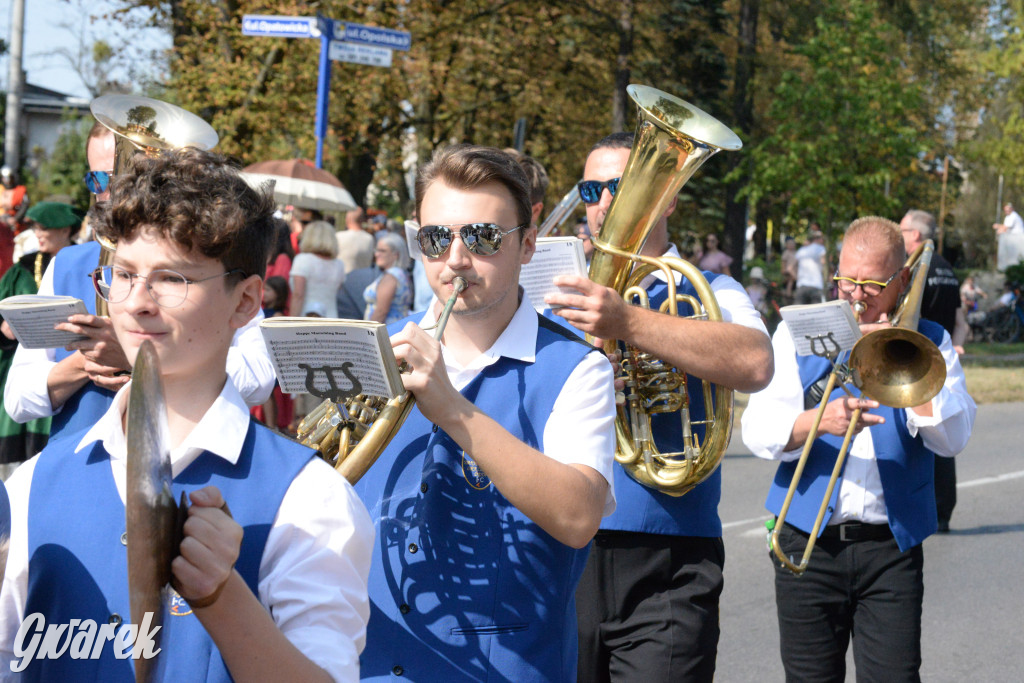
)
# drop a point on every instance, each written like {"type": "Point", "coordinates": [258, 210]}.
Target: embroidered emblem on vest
{"type": "Point", "coordinates": [474, 474]}
{"type": "Point", "coordinates": [178, 607]}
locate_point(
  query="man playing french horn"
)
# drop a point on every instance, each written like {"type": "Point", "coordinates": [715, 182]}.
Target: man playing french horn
{"type": "Point", "coordinates": [488, 496]}
{"type": "Point", "coordinates": [864, 575]}
{"type": "Point", "coordinates": [648, 598]}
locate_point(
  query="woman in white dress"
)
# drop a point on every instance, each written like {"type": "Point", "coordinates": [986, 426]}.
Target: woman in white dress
{"type": "Point", "coordinates": [316, 272]}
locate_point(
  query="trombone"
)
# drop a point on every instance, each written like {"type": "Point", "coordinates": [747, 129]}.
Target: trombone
{"type": "Point", "coordinates": [898, 367]}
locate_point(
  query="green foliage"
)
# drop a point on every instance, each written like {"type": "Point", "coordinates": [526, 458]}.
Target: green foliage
{"type": "Point", "coordinates": [843, 130]}
{"type": "Point", "coordinates": [62, 172]}
{"type": "Point", "coordinates": [1015, 273]}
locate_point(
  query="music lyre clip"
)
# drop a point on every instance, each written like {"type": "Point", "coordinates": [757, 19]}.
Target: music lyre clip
{"type": "Point", "coordinates": [334, 393]}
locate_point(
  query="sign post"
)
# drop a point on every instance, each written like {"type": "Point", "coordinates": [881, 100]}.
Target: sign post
{"type": "Point", "coordinates": [339, 41]}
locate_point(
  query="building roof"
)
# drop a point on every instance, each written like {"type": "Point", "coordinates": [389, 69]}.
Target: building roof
{"type": "Point", "coordinates": [39, 100]}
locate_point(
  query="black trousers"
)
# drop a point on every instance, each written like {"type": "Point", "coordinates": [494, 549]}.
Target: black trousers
{"type": "Point", "coordinates": [865, 588]}
{"type": "Point", "coordinates": [647, 606]}
{"type": "Point", "coordinates": [945, 487]}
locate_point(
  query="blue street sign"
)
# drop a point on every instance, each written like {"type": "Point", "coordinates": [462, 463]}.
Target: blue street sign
{"type": "Point", "coordinates": [371, 35]}
{"type": "Point", "coordinates": [282, 27]}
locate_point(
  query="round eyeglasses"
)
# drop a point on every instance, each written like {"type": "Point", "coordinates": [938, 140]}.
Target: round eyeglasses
{"type": "Point", "coordinates": [168, 288]}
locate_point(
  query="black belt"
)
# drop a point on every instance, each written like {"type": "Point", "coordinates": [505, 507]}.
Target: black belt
{"type": "Point", "coordinates": [858, 531]}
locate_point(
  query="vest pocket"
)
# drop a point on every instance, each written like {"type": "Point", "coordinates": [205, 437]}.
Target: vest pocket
{"type": "Point", "coordinates": [491, 630]}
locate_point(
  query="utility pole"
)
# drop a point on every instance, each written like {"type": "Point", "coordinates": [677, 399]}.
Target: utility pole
{"type": "Point", "coordinates": [16, 86]}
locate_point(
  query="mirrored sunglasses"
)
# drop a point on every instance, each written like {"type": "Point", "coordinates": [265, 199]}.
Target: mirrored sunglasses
{"type": "Point", "coordinates": [483, 239]}
{"type": "Point", "coordinates": [98, 181]}
{"type": "Point", "coordinates": [590, 190]}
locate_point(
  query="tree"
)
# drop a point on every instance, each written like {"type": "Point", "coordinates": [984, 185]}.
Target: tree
{"type": "Point", "coordinates": [844, 126]}
{"type": "Point", "coordinates": [62, 172]}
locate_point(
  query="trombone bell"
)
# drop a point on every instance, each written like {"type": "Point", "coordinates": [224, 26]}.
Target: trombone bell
{"type": "Point", "coordinates": [899, 368]}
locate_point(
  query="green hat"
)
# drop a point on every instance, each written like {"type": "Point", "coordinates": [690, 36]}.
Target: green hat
{"type": "Point", "coordinates": [55, 215]}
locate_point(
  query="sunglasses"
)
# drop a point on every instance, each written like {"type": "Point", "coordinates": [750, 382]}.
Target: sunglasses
{"type": "Point", "coordinates": [590, 190]}
{"type": "Point", "coordinates": [482, 239]}
{"type": "Point", "coordinates": [98, 181]}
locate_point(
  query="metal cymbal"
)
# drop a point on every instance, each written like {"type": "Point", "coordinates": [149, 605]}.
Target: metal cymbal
{"type": "Point", "coordinates": [151, 515]}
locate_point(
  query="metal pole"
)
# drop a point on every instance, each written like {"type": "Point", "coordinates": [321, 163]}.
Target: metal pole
{"type": "Point", "coordinates": [323, 86]}
{"type": "Point", "coordinates": [942, 202]}
{"type": "Point", "coordinates": [999, 201]}
{"type": "Point", "coordinates": [16, 86]}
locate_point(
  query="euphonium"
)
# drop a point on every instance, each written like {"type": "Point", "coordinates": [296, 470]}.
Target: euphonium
{"type": "Point", "coordinates": [352, 434]}
{"type": "Point", "coordinates": [147, 126]}
{"type": "Point", "coordinates": [673, 139]}
{"type": "Point", "coordinates": [899, 367]}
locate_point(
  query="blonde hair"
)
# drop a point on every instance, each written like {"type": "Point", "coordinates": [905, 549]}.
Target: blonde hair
{"type": "Point", "coordinates": [318, 238]}
{"type": "Point", "coordinates": [879, 233]}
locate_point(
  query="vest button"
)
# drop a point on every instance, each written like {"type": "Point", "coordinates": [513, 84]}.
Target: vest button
{"type": "Point", "coordinates": [124, 538]}
{"type": "Point", "coordinates": [413, 548]}
{"type": "Point", "coordinates": [397, 670]}
{"type": "Point", "coordinates": [403, 608]}
{"type": "Point", "coordinates": [424, 487]}
{"type": "Point", "coordinates": [115, 620]}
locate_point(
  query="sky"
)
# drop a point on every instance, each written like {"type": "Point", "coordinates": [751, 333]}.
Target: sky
{"type": "Point", "coordinates": [43, 34]}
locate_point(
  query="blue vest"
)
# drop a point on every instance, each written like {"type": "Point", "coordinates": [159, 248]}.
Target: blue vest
{"type": "Point", "coordinates": [71, 268]}
{"type": "Point", "coordinates": [905, 466]}
{"type": "Point", "coordinates": [463, 586]}
{"type": "Point", "coordinates": [646, 510]}
{"type": "Point", "coordinates": [78, 565]}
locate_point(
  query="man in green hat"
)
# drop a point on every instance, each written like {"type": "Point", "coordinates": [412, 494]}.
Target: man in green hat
{"type": "Point", "coordinates": [53, 224]}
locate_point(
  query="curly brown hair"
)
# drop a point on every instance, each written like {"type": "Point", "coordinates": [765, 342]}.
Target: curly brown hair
{"type": "Point", "coordinates": [196, 199]}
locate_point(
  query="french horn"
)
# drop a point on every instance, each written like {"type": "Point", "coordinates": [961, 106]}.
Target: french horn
{"type": "Point", "coordinates": [351, 433]}
{"type": "Point", "coordinates": [673, 139]}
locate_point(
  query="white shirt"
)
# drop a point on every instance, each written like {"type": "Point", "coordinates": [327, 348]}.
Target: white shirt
{"type": "Point", "coordinates": [26, 396]}
{"type": "Point", "coordinates": [313, 574]}
{"type": "Point", "coordinates": [581, 429]}
{"type": "Point", "coordinates": [1014, 223]}
{"type": "Point", "coordinates": [323, 278]}
{"type": "Point", "coordinates": [769, 417]}
{"type": "Point", "coordinates": [808, 266]}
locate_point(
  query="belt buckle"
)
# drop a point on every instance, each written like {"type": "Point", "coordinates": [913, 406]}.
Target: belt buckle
{"type": "Point", "coordinates": [842, 533]}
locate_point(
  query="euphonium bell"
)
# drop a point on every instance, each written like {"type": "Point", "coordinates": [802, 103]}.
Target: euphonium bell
{"type": "Point", "coordinates": [673, 139]}
{"type": "Point", "coordinates": [147, 126]}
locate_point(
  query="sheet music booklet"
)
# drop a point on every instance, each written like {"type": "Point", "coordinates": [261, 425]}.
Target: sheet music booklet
{"type": "Point", "coordinates": [32, 316]}
{"type": "Point", "coordinates": [331, 355]}
{"type": "Point", "coordinates": [831, 324]}
{"type": "Point", "coordinates": [554, 256]}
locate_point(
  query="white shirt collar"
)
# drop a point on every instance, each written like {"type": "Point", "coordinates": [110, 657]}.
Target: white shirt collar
{"type": "Point", "coordinates": [221, 430]}
{"type": "Point", "coordinates": [518, 341]}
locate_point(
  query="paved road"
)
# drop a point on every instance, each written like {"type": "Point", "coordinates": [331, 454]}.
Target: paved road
{"type": "Point", "coordinates": [974, 576]}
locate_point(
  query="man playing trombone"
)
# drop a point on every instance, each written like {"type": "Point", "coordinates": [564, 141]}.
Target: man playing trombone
{"type": "Point", "coordinates": [864, 576]}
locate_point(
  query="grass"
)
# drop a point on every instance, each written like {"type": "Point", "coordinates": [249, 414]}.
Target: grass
{"type": "Point", "coordinates": [988, 349]}
{"type": "Point", "coordinates": [995, 372]}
